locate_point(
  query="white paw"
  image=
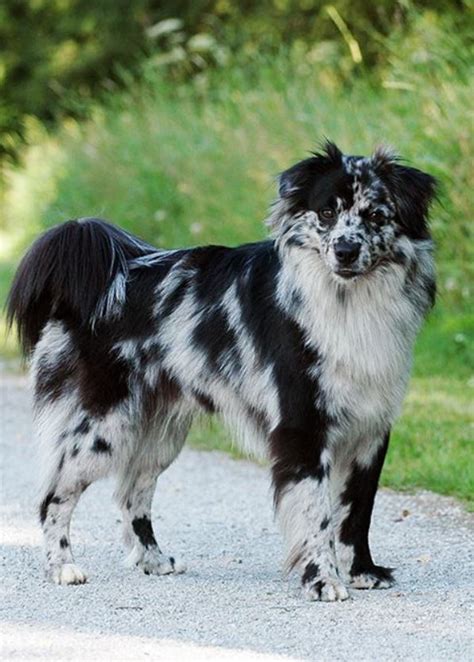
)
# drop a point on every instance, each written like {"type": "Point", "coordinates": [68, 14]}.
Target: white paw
{"type": "Point", "coordinates": [153, 562]}
{"type": "Point", "coordinates": [326, 589]}
{"type": "Point", "coordinates": [165, 566]}
{"type": "Point", "coordinates": [68, 573]}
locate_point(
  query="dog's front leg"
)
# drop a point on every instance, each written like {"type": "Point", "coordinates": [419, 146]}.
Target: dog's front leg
{"type": "Point", "coordinates": [303, 505]}
{"type": "Point", "coordinates": [354, 485]}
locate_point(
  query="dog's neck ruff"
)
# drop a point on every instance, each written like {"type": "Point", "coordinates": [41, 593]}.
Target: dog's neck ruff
{"type": "Point", "coordinates": [363, 330]}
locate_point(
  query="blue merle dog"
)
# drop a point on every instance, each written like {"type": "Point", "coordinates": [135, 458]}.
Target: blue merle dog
{"type": "Point", "coordinates": [301, 343]}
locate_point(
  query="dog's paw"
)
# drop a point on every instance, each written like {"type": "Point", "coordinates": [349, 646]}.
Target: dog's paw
{"type": "Point", "coordinates": [375, 577]}
{"type": "Point", "coordinates": [326, 589]}
{"type": "Point", "coordinates": [68, 573]}
{"type": "Point", "coordinates": [163, 566]}
{"type": "Point", "coordinates": [153, 562]}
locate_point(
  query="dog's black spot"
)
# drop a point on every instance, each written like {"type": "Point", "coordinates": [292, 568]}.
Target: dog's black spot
{"type": "Point", "coordinates": [280, 344]}
{"type": "Point", "coordinates": [310, 572]}
{"type": "Point", "coordinates": [324, 524]}
{"type": "Point", "coordinates": [317, 587]}
{"type": "Point", "coordinates": [54, 379]}
{"type": "Point", "coordinates": [321, 472]}
{"type": "Point", "coordinates": [61, 461]}
{"type": "Point", "coordinates": [174, 298]}
{"type": "Point", "coordinates": [165, 392]}
{"type": "Point", "coordinates": [100, 445]}
{"type": "Point", "coordinates": [206, 403]}
{"type": "Point", "coordinates": [63, 543]}
{"type": "Point", "coordinates": [83, 427]}
{"type": "Point", "coordinates": [214, 270]}
{"type": "Point", "coordinates": [47, 501]}
{"type": "Point", "coordinates": [168, 387]}
{"type": "Point", "coordinates": [296, 241]}
{"type": "Point", "coordinates": [75, 451]}
{"type": "Point", "coordinates": [143, 530]}
{"type": "Point", "coordinates": [103, 379]}
{"type": "Point", "coordinates": [214, 336]}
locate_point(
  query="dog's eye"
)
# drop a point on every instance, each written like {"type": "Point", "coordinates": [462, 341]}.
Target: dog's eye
{"type": "Point", "coordinates": [327, 213]}
{"type": "Point", "coordinates": [377, 216]}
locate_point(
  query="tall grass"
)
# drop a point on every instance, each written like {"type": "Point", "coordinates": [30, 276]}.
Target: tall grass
{"type": "Point", "coordinates": [193, 163]}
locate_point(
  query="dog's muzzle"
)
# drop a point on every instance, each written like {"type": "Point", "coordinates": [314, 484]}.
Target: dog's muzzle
{"type": "Point", "coordinates": [346, 253]}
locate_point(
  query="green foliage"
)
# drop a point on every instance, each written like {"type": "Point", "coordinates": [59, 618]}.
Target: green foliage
{"type": "Point", "coordinates": [57, 54]}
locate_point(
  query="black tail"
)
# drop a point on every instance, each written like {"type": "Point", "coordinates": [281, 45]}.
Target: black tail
{"type": "Point", "coordinates": [71, 267]}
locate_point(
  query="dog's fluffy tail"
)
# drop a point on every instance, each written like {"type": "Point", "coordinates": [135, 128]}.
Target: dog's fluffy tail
{"type": "Point", "coordinates": [79, 268]}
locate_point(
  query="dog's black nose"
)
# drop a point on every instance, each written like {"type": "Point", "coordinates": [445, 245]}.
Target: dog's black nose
{"type": "Point", "coordinates": [346, 252]}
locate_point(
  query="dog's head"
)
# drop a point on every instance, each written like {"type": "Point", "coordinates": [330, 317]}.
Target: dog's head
{"type": "Point", "coordinates": [352, 210]}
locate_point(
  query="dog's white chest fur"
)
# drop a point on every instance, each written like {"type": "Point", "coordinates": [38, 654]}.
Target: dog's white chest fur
{"type": "Point", "coordinates": [364, 366]}
{"type": "Point", "coordinates": [363, 335]}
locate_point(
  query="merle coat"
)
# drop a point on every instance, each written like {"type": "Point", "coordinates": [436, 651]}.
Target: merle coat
{"type": "Point", "coordinates": [301, 343]}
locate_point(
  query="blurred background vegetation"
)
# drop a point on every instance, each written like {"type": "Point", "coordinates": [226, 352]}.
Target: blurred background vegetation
{"type": "Point", "coordinates": [172, 119]}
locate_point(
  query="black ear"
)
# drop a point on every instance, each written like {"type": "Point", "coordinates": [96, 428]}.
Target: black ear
{"type": "Point", "coordinates": [414, 192]}
{"type": "Point", "coordinates": [295, 182]}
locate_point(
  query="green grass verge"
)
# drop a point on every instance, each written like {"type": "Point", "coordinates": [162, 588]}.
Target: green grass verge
{"type": "Point", "coordinates": [432, 445]}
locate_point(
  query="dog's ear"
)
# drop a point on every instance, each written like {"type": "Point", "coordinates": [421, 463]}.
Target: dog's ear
{"type": "Point", "coordinates": [413, 191]}
{"type": "Point", "coordinates": [294, 182]}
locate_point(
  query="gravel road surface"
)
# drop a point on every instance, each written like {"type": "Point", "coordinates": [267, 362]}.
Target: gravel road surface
{"type": "Point", "coordinates": [233, 603]}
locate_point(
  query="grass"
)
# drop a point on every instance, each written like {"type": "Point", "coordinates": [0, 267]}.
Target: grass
{"type": "Point", "coordinates": [194, 163]}
{"type": "Point", "coordinates": [431, 445]}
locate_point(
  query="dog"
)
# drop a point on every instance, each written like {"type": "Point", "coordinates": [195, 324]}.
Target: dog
{"type": "Point", "coordinates": [302, 343]}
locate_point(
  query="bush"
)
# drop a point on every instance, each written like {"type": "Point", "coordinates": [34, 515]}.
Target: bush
{"type": "Point", "coordinates": [55, 56]}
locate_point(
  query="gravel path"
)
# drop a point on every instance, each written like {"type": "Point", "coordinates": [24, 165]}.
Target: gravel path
{"type": "Point", "coordinates": [233, 603]}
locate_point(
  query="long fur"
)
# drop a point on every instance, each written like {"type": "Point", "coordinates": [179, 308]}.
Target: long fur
{"type": "Point", "coordinates": [302, 344]}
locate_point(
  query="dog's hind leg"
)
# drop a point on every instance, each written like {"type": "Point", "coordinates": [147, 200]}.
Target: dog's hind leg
{"type": "Point", "coordinates": [135, 492]}
{"type": "Point", "coordinates": [55, 513]}
{"type": "Point", "coordinates": [138, 530]}
{"type": "Point", "coordinates": [78, 449]}
{"type": "Point", "coordinates": [71, 469]}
